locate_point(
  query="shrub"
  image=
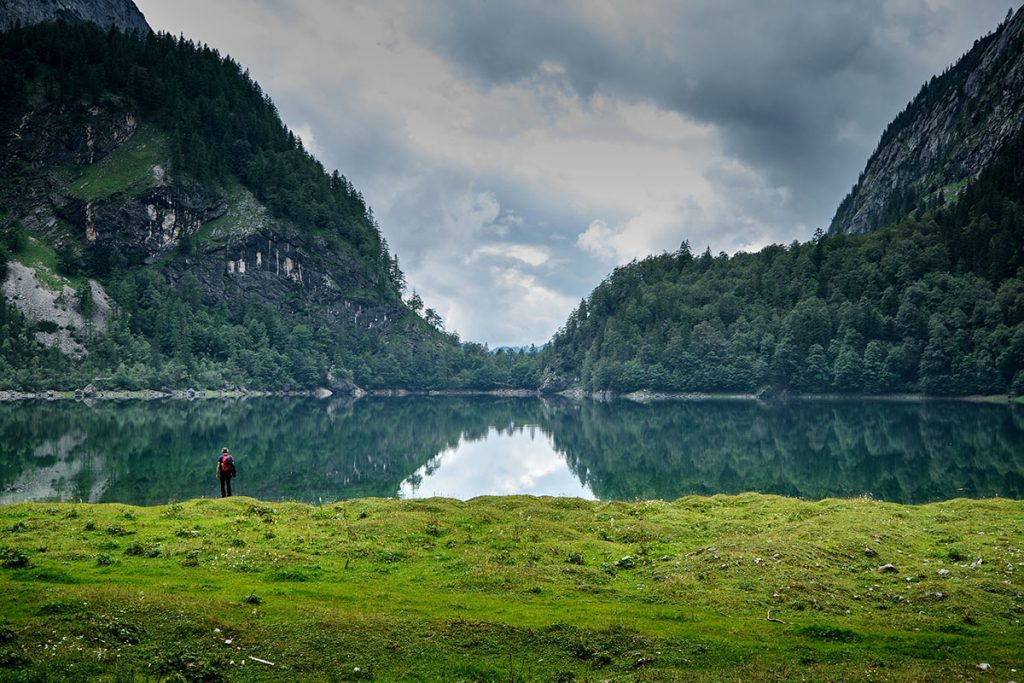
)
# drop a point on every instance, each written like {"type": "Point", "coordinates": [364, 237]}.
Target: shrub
{"type": "Point", "coordinates": [191, 558]}
{"type": "Point", "coordinates": [627, 562]}
{"type": "Point", "coordinates": [12, 558]}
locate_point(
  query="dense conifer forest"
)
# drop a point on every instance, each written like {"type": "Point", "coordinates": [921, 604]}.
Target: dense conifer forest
{"type": "Point", "coordinates": [933, 304]}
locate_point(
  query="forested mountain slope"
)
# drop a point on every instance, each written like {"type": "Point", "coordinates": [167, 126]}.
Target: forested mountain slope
{"type": "Point", "coordinates": [955, 127]}
{"type": "Point", "coordinates": [159, 225]}
{"type": "Point", "coordinates": [933, 304]}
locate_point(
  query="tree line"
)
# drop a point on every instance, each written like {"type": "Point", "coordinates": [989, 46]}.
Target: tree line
{"type": "Point", "coordinates": [933, 304]}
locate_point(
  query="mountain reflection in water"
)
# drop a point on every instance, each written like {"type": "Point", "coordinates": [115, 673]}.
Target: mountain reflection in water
{"type": "Point", "coordinates": [318, 451]}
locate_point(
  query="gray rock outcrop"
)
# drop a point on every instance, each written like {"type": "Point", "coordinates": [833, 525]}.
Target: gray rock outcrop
{"type": "Point", "coordinates": [69, 328]}
{"type": "Point", "coordinates": [957, 124]}
{"type": "Point", "coordinates": [122, 14]}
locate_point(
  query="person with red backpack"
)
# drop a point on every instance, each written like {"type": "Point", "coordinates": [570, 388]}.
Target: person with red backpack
{"type": "Point", "coordinates": [225, 472]}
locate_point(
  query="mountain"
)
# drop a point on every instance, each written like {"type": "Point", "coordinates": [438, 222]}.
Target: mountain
{"type": "Point", "coordinates": [931, 301]}
{"type": "Point", "coordinates": [120, 14]}
{"type": "Point", "coordinates": [957, 125]}
{"type": "Point", "coordinates": [160, 226]}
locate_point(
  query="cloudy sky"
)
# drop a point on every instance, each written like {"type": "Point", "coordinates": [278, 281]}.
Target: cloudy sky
{"type": "Point", "coordinates": [515, 152]}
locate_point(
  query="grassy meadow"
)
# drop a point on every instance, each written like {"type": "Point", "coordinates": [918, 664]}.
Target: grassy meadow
{"type": "Point", "coordinates": [747, 587]}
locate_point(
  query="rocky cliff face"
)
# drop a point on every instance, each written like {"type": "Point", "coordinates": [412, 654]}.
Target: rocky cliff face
{"type": "Point", "coordinates": [227, 243]}
{"type": "Point", "coordinates": [957, 124]}
{"type": "Point", "coordinates": [283, 269]}
{"type": "Point", "coordinates": [145, 227]}
{"type": "Point", "coordinates": [122, 14]}
{"type": "Point", "coordinates": [57, 134]}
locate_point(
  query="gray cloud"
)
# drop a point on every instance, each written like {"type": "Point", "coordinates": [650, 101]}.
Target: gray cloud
{"type": "Point", "coordinates": [793, 86]}
{"type": "Point", "coordinates": [515, 152]}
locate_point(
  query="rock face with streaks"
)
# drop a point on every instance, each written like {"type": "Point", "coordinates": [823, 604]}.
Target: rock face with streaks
{"type": "Point", "coordinates": [225, 242]}
{"type": "Point", "coordinates": [958, 123]}
{"type": "Point", "coordinates": [122, 14]}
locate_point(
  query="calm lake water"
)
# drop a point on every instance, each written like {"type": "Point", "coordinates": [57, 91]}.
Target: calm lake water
{"type": "Point", "coordinates": [148, 452]}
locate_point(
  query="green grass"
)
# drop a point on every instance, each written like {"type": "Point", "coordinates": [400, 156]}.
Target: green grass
{"type": "Point", "coordinates": [244, 213]}
{"type": "Point", "coordinates": [127, 170]}
{"type": "Point", "coordinates": [41, 256]}
{"type": "Point", "coordinates": [513, 588]}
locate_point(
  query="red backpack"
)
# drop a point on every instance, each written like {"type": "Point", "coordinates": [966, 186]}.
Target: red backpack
{"type": "Point", "coordinates": [227, 464]}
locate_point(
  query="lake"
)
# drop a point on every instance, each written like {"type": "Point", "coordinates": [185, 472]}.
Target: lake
{"type": "Point", "coordinates": [153, 452]}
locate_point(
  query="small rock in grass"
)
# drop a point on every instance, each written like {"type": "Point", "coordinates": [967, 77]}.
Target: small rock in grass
{"type": "Point", "coordinates": [870, 552]}
{"type": "Point", "coordinates": [943, 572]}
{"type": "Point", "coordinates": [977, 563]}
{"type": "Point", "coordinates": [887, 569]}
{"type": "Point", "coordinates": [984, 666]}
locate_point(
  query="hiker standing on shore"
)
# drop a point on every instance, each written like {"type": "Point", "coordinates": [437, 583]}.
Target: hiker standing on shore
{"type": "Point", "coordinates": [225, 471]}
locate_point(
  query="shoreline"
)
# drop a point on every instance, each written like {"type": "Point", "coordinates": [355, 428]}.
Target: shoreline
{"type": "Point", "coordinates": [11, 396]}
{"type": "Point", "coordinates": [643, 396]}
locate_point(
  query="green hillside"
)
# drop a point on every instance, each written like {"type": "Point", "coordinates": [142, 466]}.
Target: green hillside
{"type": "Point", "coordinates": [933, 304]}
{"type": "Point", "coordinates": [160, 169]}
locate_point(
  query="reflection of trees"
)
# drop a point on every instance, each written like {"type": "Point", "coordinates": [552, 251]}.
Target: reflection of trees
{"type": "Point", "coordinates": [148, 452]}
{"type": "Point", "coordinates": [906, 452]}
{"type": "Point", "coordinates": [151, 452]}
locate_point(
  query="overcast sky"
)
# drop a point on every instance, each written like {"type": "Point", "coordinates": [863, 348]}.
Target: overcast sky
{"type": "Point", "coordinates": [515, 152]}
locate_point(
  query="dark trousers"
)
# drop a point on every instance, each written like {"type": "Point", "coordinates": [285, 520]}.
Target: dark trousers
{"type": "Point", "coordinates": [225, 485]}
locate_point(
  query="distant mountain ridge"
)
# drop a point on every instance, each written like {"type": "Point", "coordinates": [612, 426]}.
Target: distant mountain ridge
{"type": "Point", "coordinates": [957, 124]}
{"type": "Point", "coordinates": [122, 14]}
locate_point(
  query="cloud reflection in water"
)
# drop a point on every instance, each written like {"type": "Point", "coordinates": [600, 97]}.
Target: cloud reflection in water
{"type": "Point", "coordinates": [523, 461]}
